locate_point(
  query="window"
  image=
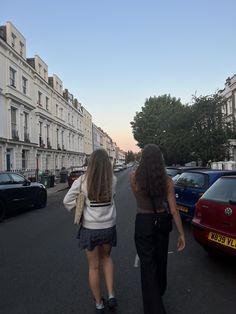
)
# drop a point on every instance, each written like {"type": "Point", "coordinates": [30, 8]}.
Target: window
{"type": "Point", "coordinates": [192, 180]}
{"type": "Point", "coordinates": [58, 146]}
{"type": "Point", "coordinates": [39, 98]}
{"type": "Point", "coordinates": [17, 178]}
{"type": "Point", "coordinates": [24, 159]}
{"type": "Point", "coordinates": [41, 143]}
{"type": "Point", "coordinates": [14, 131]}
{"type": "Point", "coordinates": [47, 103]}
{"type": "Point", "coordinates": [45, 74]}
{"type": "Point", "coordinates": [56, 110]}
{"type": "Point", "coordinates": [12, 77]}
{"type": "Point", "coordinates": [61, 113]}
{"type": "Point", "coordinates": [26, 134]}
{"type": "Point", "coordinates": [40, 68]}
{"type": "Point", "coordinates": [48, 136]}
{"type": "Point", "coordinates": [13, 40]}
{"type": "Point", "coordinates": [62, 139]}
{"type": "Point", "coordinates": [24, 85]}
{"type": "Point", "coordinates": [4, 178]}
{"type": "Point", "coordinates": [21, 48]}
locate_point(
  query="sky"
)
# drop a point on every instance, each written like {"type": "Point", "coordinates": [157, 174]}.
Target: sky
{"type": "Point", "coordinates": [114, 54]}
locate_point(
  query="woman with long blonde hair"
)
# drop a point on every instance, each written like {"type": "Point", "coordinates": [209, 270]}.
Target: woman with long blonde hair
{"type": "Point", "coordinates": [97, 235]}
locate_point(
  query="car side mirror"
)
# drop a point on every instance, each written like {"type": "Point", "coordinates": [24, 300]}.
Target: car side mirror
{"type": "Point", "coordinates": [27, 182]}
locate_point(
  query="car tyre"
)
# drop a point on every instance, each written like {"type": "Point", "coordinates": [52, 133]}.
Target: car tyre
{"type": "Point", "coordinates": [41, 199]}
{"type": "Point", "coordinates": [2, 211]}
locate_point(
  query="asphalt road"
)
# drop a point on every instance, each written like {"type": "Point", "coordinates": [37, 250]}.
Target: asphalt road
{"type": "Point", "coordinates": [43, 271]}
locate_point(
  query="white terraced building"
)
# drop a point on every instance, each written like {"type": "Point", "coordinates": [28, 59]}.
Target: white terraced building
{"type": "Point", "coordinates": [41, 125]}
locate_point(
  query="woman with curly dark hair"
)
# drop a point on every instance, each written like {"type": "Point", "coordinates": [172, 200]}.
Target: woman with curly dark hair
{"type": "Point", "coordinates": [156, 206]}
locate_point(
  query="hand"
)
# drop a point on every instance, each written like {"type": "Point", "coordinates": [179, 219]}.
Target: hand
{"type": "Point", "coordinates": [181, 242]}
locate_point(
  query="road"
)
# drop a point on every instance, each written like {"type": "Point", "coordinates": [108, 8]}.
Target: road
{"type": "Point", "coordinates": [42, 271]}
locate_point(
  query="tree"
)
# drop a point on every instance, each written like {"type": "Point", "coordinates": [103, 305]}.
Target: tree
{"type": "Point", "coordinates": [129, 156]}
{"type": "Point", "coordinates": [210, 130]}
{"type": "Point", "coordinates": [164, 121]}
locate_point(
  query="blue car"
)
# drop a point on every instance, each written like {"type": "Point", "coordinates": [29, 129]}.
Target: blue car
{"type": "Point", "coordinates": [190, 186]}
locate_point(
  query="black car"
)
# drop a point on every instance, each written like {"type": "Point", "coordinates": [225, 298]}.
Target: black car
{"type": "Point", "coordinates": [17, 192]}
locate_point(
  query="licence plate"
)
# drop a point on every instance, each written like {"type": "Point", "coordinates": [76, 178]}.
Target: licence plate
{"type": "Point", "coordinates": [223, 240]}
{"type": "Point", "coordinates": [182, 208]}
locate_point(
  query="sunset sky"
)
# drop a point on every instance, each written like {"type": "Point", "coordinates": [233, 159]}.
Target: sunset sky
{"type": "Point", "coordinates": [112, 55]}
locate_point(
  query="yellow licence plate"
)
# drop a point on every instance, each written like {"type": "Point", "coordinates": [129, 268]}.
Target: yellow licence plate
{"type": "Point", "coordinates": [182, 208]}
{"type": "Point", "coordinates": [223, 240]}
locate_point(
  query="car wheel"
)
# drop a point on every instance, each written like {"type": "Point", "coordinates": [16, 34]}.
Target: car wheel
{"type": "Point", "coordinates": [2, 211]}
{"type": "Point", "coordinates": [41, 200]}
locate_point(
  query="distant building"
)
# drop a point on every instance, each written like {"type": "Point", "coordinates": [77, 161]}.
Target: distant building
{"type": "Point", "coordinates": [229, 92]}
{"type": "Point", "coordinates": [88, 132]}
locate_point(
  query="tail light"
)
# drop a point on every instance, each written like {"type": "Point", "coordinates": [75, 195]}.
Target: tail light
{"type": "Point", "coordinates": [198, 211]}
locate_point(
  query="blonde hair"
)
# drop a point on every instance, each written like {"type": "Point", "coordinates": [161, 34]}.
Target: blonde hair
{"type": "Point", "coordinates": [99, 176]}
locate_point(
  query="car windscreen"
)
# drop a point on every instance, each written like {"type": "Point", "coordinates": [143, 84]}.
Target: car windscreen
{"type": "Point", "coordinates": [223, 190]}
{"type": "Point", "coordinates": [171, 172]}
{"type": "Point", "coordinates": [192, 180]}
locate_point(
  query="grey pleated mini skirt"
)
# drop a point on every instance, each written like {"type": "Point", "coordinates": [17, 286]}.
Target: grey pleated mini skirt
{"type": "Point", "coordinates": [90, 238]}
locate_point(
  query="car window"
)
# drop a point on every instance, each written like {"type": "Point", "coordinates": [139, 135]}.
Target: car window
{"type": "Point", "coordinates": [76, 173]}
{"type": "Point", "coordinates": [193, 180]}
{"type": "Point", "coordinates": [222, 190]}
{"type": "Point", "coordinates": [171, 172]}
{"type": "Point", "coordinates": [4, 178]}
{"type": "Point", "coordinates": [17, 178]}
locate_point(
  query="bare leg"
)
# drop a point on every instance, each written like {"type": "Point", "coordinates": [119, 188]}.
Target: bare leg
{"type": "Point", "coordinates": [94, 273]}
{"type": "Point", "coordinates": [108, 269]}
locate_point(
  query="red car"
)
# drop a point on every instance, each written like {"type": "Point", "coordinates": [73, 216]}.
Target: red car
{"type": "Point", "coordinates": [75, 174]}
{"type": "Point", "coordinates": [214, 222]}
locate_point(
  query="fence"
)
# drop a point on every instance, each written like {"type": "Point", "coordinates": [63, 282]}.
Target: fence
{"type": "Point", "coordinates": [36, 175]}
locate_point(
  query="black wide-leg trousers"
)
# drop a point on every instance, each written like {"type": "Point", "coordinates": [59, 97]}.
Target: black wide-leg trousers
{"type": "Point", "coordinates": [152, 249]}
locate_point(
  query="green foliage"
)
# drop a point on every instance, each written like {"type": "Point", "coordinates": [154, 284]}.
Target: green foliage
{"type": "Point", "coordinates": [129, 156]}
{"type": "Point", "coordinates": [163, 121]}
{"type": "Point", "coordinates": [184, 133]}
{"type": "Point", "coordinates": [210, 130]}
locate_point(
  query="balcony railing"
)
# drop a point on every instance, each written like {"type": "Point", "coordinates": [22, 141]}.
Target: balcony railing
{"type": "Point", "coordinates": [26, 137]}
{"type": "Point", "coordinates": [15, 135]}
{"type": "Point", "coordinates": [49, 144]}
{"type": "Point", "coordinates": [41, 143]}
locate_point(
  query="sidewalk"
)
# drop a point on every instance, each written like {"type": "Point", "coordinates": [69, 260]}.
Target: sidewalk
{"type": "Point", "coordinates": [57, 187]}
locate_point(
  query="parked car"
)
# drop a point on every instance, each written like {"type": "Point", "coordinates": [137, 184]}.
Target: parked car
{"type": "Point", "coordinates": [173, 171]}
{"type": "Point", "coordinates": [74, 175]}
{"type": "Point", "coordinates": [214, 222]}
{"type": "Point", "coordinates": [190, 186]}
{"type": "Point", "coordinates": [17, 192]}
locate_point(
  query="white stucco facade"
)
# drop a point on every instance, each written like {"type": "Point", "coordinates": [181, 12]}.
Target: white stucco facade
{"type": "Point", "coordinates": [229, 92]}
{"type": "Point", "coordinates": [40, 126]}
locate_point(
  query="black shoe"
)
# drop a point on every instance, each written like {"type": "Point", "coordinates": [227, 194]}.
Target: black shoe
{"type": "Point", "coordinates": [102, 310]}
{"type": "Point", "coordinates": [112, 303]}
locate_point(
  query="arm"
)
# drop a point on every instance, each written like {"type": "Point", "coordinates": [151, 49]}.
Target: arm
{"type": "Point", "coordinates": [69, 200]}
{"type": "Point", "coordinates": [175, 214]}
{"type": "Point", "coordinates": [132, 181]}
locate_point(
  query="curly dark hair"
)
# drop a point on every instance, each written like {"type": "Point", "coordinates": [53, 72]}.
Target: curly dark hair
{"type": "Point", "coordinates": [150, 176]}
